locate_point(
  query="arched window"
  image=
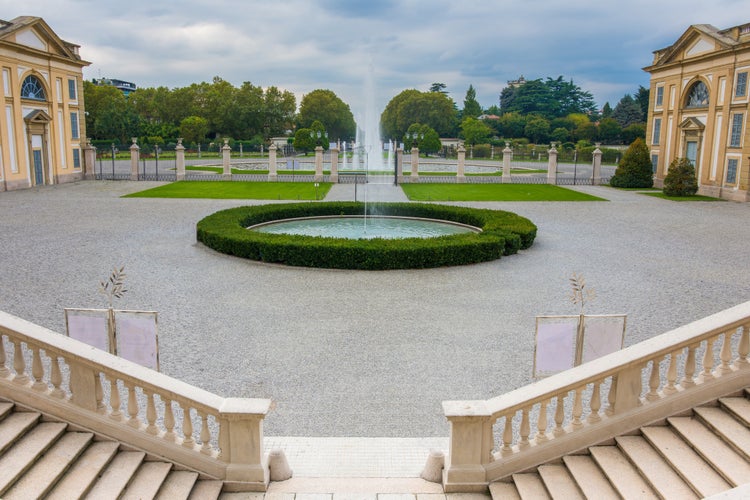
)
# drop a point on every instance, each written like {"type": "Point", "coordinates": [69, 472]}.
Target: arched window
{"type": "Point", "coordinates": [698, 96]}
{"type": "Point", "coordinates": [32, 88]}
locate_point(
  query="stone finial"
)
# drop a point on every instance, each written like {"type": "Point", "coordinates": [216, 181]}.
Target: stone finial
{"type": "Point", "coordinates": [226, 141]}
{"type": "Point", "coordinates": [179, 141]}
{"type": "Point", "coordinates": [461, 148]}
{"type": "Point", "coordinates": [134, 139]}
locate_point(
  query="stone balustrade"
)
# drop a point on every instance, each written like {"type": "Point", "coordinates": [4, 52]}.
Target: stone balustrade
{"type": "Point", "coordinates": [615, 394]}
{"type": "Point", "coordinates": [219, 437]}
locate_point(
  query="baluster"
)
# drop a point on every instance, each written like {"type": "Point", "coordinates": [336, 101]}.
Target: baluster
{"type": "Point", "coordinates": [508, 434]}
{"type": "Point", "coordinates": [114, 400]}
{"type": "Point", "coordinates": [19, 364]}
{"type": "Point", "coordinates": [541, 423]}
{"type": "Point", "coordinates": [708, 360]}
{"type": "Point", "coordinates": [151, 414]}
{"type": "Point", "coordinates": [687, 380]}
{"type": "Point", "coordinates": [37, 371]}
{"type": "Point", "coordinates": [187, 428]}
{"type": "Point", "coordinates": [525, 429]}
{"type": "Point", "coordinates": [671, 374]}
{"type": "Point", "coordinates": [577, 408]}
{"type": "Point", "coordinates": [169, 421]}
{"type": "Point", "coordinates": [205, 434]}
{"type": "Point", "coordinates": [4, 372]}
{"type": "Point", "coordinates": [559, 416]}
{"type": "Point", "coordinates": [725, 355]}
{"type": "Point", "coordinates": [56, 378]}
{"type": "Point", "coordinates": [743, 348]}
{"type": "Point", "coordinates": [99, 394]}
{"type": "Point", "coordinates": [133, 420]}
{"type": "Point", "coordinates": [596, 403]}
{"type": "Point", "coordinates": [654, 381]}
{"type": "Point", "coordinates": [611, 396]}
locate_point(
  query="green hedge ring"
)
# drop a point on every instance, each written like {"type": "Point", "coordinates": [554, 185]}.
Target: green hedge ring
{"type": "Point", "coordinates": [503, 233]}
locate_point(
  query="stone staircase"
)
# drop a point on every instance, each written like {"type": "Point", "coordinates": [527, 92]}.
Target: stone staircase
{"type": "Point", "coordinates": [698, 454]}
{"type": "Point", "coordinates": [40, 457]}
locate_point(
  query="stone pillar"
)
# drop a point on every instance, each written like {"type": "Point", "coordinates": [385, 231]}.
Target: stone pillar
{"type": "Point", "coordinates": [507, 158]}
{"type": "Point", "coordinates": [470, 446]}
{"type": "Point", "coordinates": [400, 165]}
{"type": "Point", "coordinates": [134, 157]}
{"type": "Point", "coordinates": [179, 155]}
{"type": "Point", "coordinates": [225, 150]}
{"type": "Point", "coordinates": [460, 175]}
{"type": "Point", "coordinates": [272, 175]}
{"type": "Point", "coordinates": [596, 170]}
{"type": "Point", "coordinates": [89, 160]}
{"type": "Point", "coordinates": [334, 177]}
{"type": "Point", "coordinates": [318, 163]}
{"type": "Point", "coordinates": [552, 165]}
{"type": "Point", "coordinates": [241, 439]}
{"type": "Point", "coordinates": [414, 165]}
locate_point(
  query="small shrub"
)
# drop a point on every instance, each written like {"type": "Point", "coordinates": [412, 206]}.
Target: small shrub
{"type": "Point", "coordinates": [680, 179]}
{"type": "Point", "coordinates": [634, 170]}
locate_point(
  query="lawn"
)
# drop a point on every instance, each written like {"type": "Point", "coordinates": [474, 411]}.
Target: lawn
{"type": "Point", "coordinates": [493, 192]}
{"type": "Point", "coordinates": [237, 190]}
{"type": "Point", "coordinates": [695, 197]}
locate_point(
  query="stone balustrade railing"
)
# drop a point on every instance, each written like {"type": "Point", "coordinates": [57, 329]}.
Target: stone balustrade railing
{"type": "Point", "coordinates": [615, 394]}
{"type": "Point", "coordinates": [219, 437]}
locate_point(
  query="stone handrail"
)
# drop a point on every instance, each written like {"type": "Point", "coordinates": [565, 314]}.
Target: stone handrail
{"type": "Point", "coordinates": [219, 437]}
{"type": "Point", "coordinates": [641, 384]}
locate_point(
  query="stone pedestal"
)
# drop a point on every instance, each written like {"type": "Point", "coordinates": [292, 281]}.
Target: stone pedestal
{"type": "Point", "coordinates": [460, 174]}
{"type": "Point", "coordinates": [225, 151]}
{"type": "Point", "coordinates": [596, 170]}
{"type": "Point", "coordinates": [272, 175]}
{"type": "Point", "coordinates": [334, 177]}
{"type": "Point", "coordinates": [179, 154]}
{"type": "Point", "coordinates": [134, 157]}
{"type": "Point", "coordinates": [507, 158]}
{"type": "Point", "coordinates": [89, 161]}
{"type": "Point", "coordinates": [318, 163]}
{"type": "Point", "coordinates": [400, 165]}
{"type": "Point", "coordinates": [552, 165]}
{"type": "Point", "coordinates": [414, 165]}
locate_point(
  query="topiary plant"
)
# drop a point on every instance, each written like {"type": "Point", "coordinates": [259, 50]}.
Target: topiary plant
{"type": "Point", "coordinates": [634, 170]}
{"type": "Point", "coordinates": [680, 179]}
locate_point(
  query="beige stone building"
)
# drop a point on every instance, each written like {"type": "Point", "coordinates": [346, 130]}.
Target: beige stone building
{"type": "Point", "coordinates": [698, 108]}
{"type": "Point", "coordinates": [42, 123]}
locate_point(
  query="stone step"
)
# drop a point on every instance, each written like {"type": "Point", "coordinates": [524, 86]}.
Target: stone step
{"type": "Point", "coordinates": [504, 491]}
{"type": "Point", "coordinates": [81, 475]}
{"type": "Point", "coordinates": [625, 478]}
{"type": "Point", "coordinates": [729, 428]}
{"type": "Point", "coordinates": [738, 407]}
{"type": "Point", "coordinates": [206, 489]}
{"type": "Point", "coordinates": [590, 478]}
{"type": "Point", "coordinates": [22, 455]}
{"type": "Point", "coordinates": [652, 466]}
{"type": "Point", "coordinates": [722, 457]}
{"type": "Point", "coordinates": [530, 486]}
{"type": "Point", "coordinates": [701, 477]}
{"type": "Point", "coordinates": [177, 485]}
{"type": "Point", "coordinates": [49, 468]}
{"type": "Point", "coordinates": [14, 426]}
{"type": "Point", "coordinates": [116, 476]}
{"type": "Point", "coordinates": [5, 409]}
{"type": "Point", "coordinates": [147, 480]}
{"type": "Point", "coordinates": [559, 483]}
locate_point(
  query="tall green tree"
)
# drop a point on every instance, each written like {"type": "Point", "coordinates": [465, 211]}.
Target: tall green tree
{"type": "Point", "coordinates": [634, 170]}
{"type": "Point", "coordinates": [438, 87]}
{"type": "Point", "coordinates": [326, 107]}
{"type": "Point", "coordinates": [475, 131]}
{"type": "Point", "coordinates": [627, 111]}
{"type": "Point", "coordinates": [472, 109]}
{"type": "Point", "coordinates": [193, 129]}
{"type": "Point", "coordinates": [278, 111]}
{"type": "Point", "coordinates": [434, 109]}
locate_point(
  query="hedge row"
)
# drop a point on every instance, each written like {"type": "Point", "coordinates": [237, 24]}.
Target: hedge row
{"type": "Point", "coordinates": [503, 233]}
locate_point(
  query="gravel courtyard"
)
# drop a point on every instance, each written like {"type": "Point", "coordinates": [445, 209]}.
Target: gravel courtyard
{"type": "Point", "coordinates": [357, 353]}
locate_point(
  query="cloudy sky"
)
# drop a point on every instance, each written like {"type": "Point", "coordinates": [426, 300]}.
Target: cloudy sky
{"type": "Point", "coordinates": [303, 45]}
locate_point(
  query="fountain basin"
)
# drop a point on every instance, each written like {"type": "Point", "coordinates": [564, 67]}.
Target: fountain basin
{"type": "Point", "coordinates": [361, 227]}
{"type": "Point", "coordinates": [502, 233]}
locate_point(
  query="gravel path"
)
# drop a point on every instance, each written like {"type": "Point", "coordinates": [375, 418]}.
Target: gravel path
{"type": "Point", "coordinates": [356, 353]}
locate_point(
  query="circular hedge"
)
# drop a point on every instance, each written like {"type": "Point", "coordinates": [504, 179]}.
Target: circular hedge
{"type": "Point", "coordinates": [503, 233]}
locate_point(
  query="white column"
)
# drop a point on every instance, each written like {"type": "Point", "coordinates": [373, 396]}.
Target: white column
{"type": "Point", "coordinates": [596, 171]}
{"type": "Point", "coordinates": [552, 165]}
{"type": "Point", "coordinates": [134, 157]}
{"type": "Point", "coordinates": [414, 165]}
{"type": "Point", "coordinates": [225, 150]}
{"type": "Point", "coordinates": [179, 152]}
{"type": "Point", "coordinates": [507, 158]}
{"type": "Point", "coordinates": [318, 163]}
{"type": "Point", "coordinates": [460, 173]}
{"type": "Point", "coordinates": [272, 175]}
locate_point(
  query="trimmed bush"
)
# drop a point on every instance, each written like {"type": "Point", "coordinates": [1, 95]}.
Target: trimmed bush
{"type": "Point", "coordinates": [503, 233]}
{"type": "Point", "coordinates": [680, 179]}
{"type": "Point", "coordinates": [635, 169]}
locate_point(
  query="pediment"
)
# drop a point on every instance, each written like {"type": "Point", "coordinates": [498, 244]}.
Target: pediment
{"type": "Point", "coordinates": [700, 46]}
{"type": "Point", "coordinates": [692, 123]}
{"type": "Point", "coordinates": [30, 38]}
{"type": "Point", "coordinates": [36, 34]}
{"type": "Point", "coordinates": [37, 116]}
{"type": "Point", "coordinates": [698, 40]}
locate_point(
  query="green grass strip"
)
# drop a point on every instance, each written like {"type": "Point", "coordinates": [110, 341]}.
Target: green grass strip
{"type": "Point", "coordinates": [493, 192]}
{"type": "Point", "coordinates": [237, 190]}
{"type": "Point", "coordinates": [695, 197]}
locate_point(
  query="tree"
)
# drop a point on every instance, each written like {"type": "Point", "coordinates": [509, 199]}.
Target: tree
{"type": "Point", "coordinates": [641, 97]}
{"type": "Point", "coordinates": [472, 109]}
{"type": "Point", "coordinates": [412, 106]}
{"type": "Point", "coordinates": [193, 129]}
{"type": "Point", "coordinates": [278, 111]}
{"type": "Point", "coordinates": [438, 87]}
{"type": "Point", "coordinates": [609, 130]}
{"type": "Point", "coordinates": [303, 141]}
{"type": "Point", "coordinates": [634, 170]}
{"type": "Point", "coordinates": [680, 179]}
{"type": "Point", "coordinates": [326, 107]}
{"type": "Point", "coordinates": [537, 129]}
{"type": "Point", "coordinates": [475, 131]}
{"type": "Point", "coordinates": [511, 125]}
{"type": "Point", "coordinates": [607, 110]}
{"type": "Point", "coordinates": [634, 131]}
{"type": "Point", "coordinates": [110, 116]}
{"type": "Point", "coordinates": [550, 99]}
{"type": "Point", "coordinates": [627, 111]}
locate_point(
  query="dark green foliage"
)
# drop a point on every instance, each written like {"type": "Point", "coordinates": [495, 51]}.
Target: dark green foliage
{"type": "Point", "coordinates": [504, 233]}
{"type": "Point", "coordinates": [634, 170]}
{"type": "Point", "coordinates": [680, 179]}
